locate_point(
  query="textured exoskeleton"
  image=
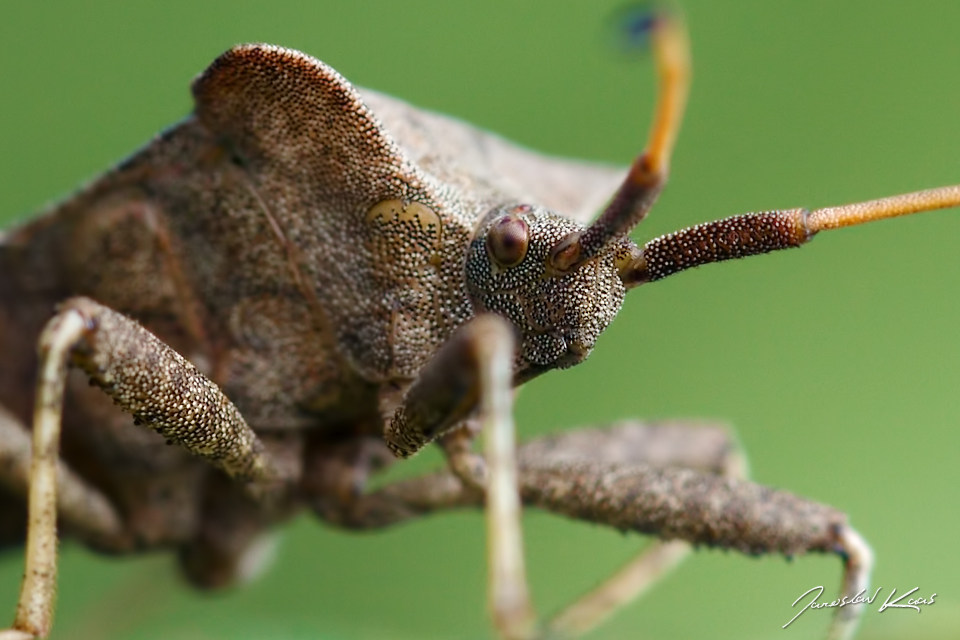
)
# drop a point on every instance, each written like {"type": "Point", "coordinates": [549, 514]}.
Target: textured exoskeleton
{"type": "Point", "coordinates": [301, 282]}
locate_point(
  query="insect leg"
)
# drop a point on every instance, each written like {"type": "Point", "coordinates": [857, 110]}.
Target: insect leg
{"type": "Point", "coordinates": [513, 614]}
{"type": "Point", "coordinates": [81, 506]}
{"type": "Point", "coordinates": [476, 367]}
{"type": "Point", "coordinates": [448, 388]}
{"type": "Point", "coordinates": [35, 608]}
{"type": "Point", "coordinates": [146, 378]}
{"type": "Point", "coordinates": [163, 391]}
{"type": "Point", "coordinates": [683, 483]}
{"type": "Point", "coordinates": [701, 508]}
{"type": "Point", "coordinates": [707, 447]}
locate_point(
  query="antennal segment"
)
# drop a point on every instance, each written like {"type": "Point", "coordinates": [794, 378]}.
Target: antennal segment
{"type": "Point", "coordinates": [902, 205]}
{"type": "Point", "coordinates": [648, 174]}
{"type": "Point", "coordinates": [755, 233]}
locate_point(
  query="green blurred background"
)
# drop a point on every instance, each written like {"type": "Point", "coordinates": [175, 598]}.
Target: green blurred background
{"type": "Point", "coordinates": [838, 364]}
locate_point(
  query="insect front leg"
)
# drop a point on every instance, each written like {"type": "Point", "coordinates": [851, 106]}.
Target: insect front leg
{"type": "Point", "coordinates": [475, 367]}
{"type": "Point", "coordinates": [145, 378]}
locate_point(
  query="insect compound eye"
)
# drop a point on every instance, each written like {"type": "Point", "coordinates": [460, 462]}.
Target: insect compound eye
{"type": "Point", "coordinates": [507, 240]}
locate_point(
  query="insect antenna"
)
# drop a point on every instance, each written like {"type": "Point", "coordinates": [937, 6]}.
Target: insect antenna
{"type": "Point", "coordinates": [648, 174]}
{"type": "Point", "coordinates": [755, 233]}
{"type": "Point", "coordinates": [629, 28]}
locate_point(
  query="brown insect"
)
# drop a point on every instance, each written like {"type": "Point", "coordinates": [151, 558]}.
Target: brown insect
{"type": "Point", "coordinates": [360, 278]}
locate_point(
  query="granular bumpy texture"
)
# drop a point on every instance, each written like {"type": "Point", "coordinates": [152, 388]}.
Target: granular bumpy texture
{"type": "Point", "coordinates": [163, 391]}
{"type": "Point", "coordinates": [560, 317]}
{"type": "Point", "coordinates": [380, 241]}
{"type": "Point", "coordinates": [734, 237]}
{"type": "Point", "coordinates": [701, 508]}
{"type": "Point", "coordinates": [291, 290]}
{"type": "Point", "coordinates": [303, 251]}
{"type": "Point", "coordinates": [378, 276]}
